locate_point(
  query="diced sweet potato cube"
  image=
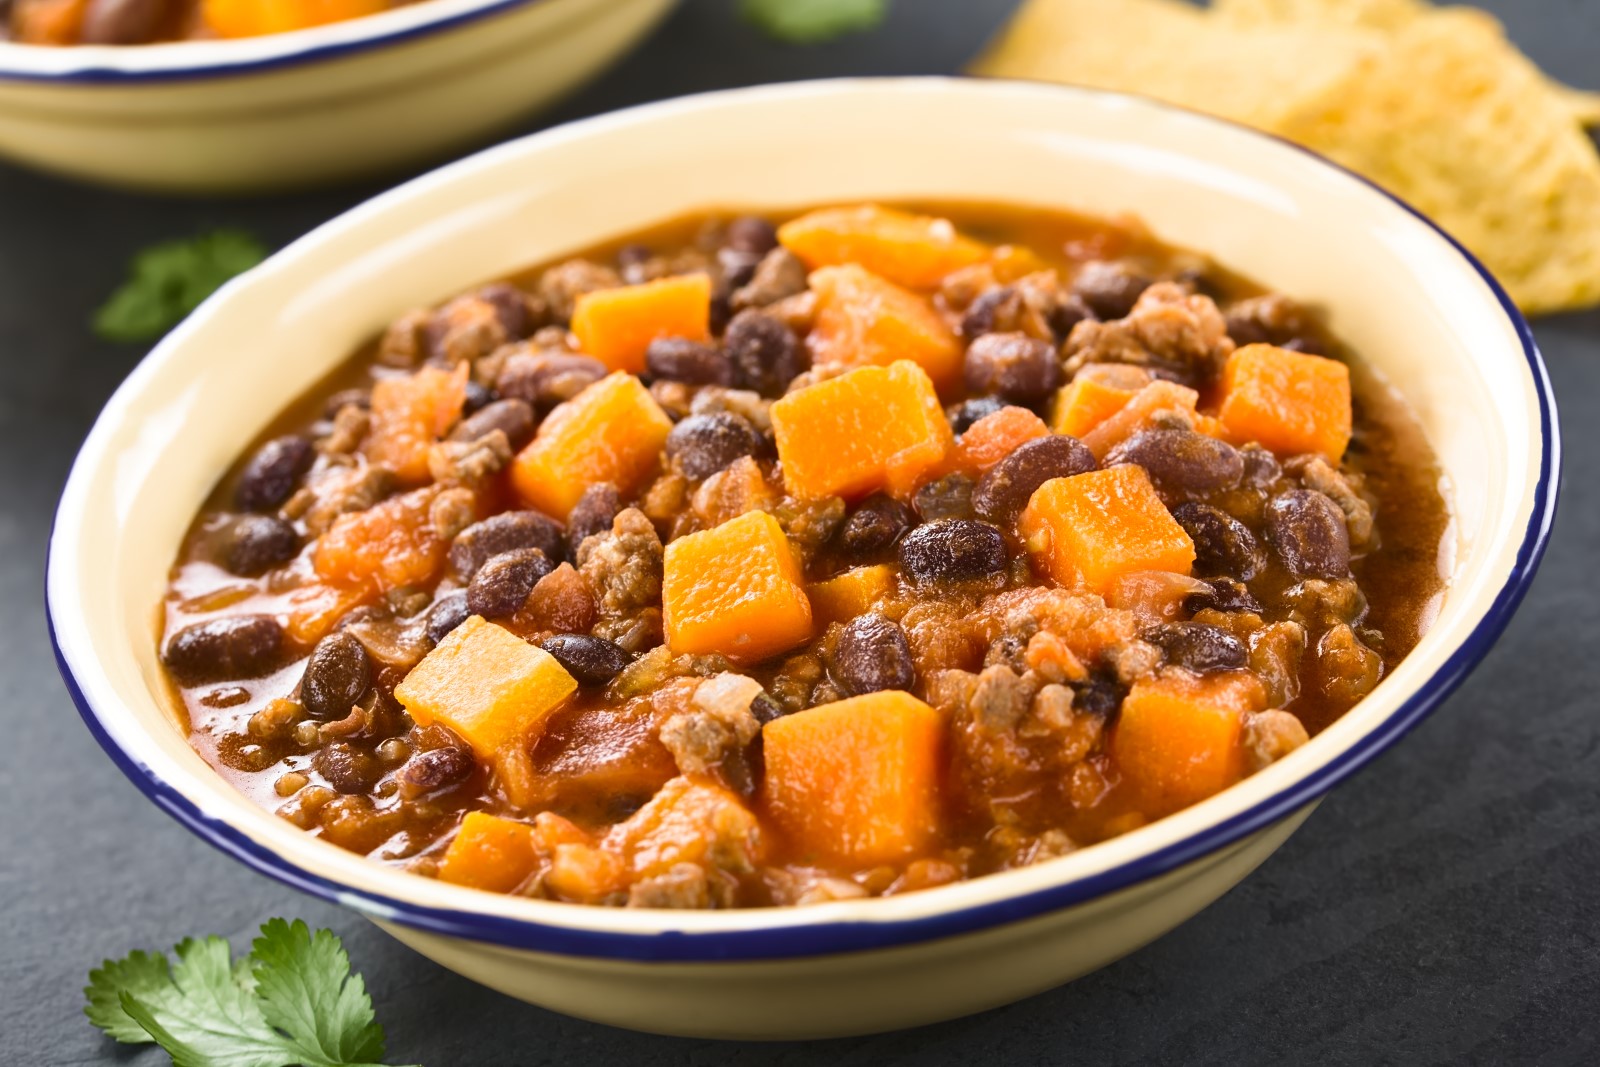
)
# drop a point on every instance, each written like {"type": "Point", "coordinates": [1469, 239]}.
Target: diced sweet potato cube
{"type": "Point", "coordinates": [735, 589]}
{"type": "Point", "coordinates": [615, 326]}
{"type": "Point", "coordinates": [872, 428]}
{"type": "Point", "coordinates": [391, 544]}
{"type": "Point", "coordinates": [863, 320]}
{"type": "Point", "coordinates": [843, 597]}
{"type": "Point", "coordinates": [410, 413]}
{"type": "Point", "coordinates": [856, 781]}
{"type": "Point", "coordinates": [1139, 413]}
{"type": "Point", "coordinates": [55, 22]}
{"type": "Point", "coordinates": [490, 853]}
{"type": "Point", "coordinates": [487, 684]}
{"type": "Point", "coordinates": [1085, 403]}
{"type": "Point", "coordinates": [1090, 529]}
{"type": "Point", "coordinates": [1290, 402]}
{"type": "Point", "coordinates": [1177, 737]}
{"type": "Point", "coordinates": [689, 822]}
{"type": "Point", "coordinates": [913, 250]}
{"type": "Point", "coordinates": [995, 436]}
{"type": "Point", "coordinates": [253, 18]}
{"type": "Point", "coordinates": [613, 432]}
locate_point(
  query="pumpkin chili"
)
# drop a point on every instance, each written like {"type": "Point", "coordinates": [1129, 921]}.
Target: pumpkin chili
{"type": "Point", "coordinates": [759, 561]}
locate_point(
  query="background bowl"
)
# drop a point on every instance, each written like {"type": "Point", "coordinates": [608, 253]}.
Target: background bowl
{"type": "Point", "coordinates": [1418, 308]}
{"type": "Point", "coordinates": [308, 107]}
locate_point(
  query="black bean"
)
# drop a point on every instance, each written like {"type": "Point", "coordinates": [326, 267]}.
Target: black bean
{"type": "Point", "coordinates": [764, 353]}
{"type": "Point", "coordinates": [1181, 462]}
{"type": "Point", "coordinates": [503, 583]}
{"type": "Point", "coordinates": [338, 674]}
{"type": "Point", "coordinates": [511, 416]}
{"type": "Point", "coordinates": [878, 523]}
{"type": "Point", "coordinates": [1225, 594]}
{"type": "Point", "coordinates": [954, 552]}
{"type": "Point", "coordinates": [1261, 467]}
{"type": "Point", "coordinates": [510, 307]}
{"type": "Point", "coordinates": [270, 475]}
{"type": "Point", "coordinates": [1019, 368]}
{"type": "Point", "coordinates": [1004, 489]}
{"type": "Point", "coordinates": [348, 770]}
{"type": "Point", "coordinates": [479, 396]}
{"type": "Point", "coordinates": [591, 660]}
{"type": "Point", "coordinates": [257, 543]}
{"type": "Point", "coordinates": [1067, 313]}
{"type": "Point", "coordinates": [547, 379]}
{"type": "Point", "coordinates": [1099, 695]}
{"type": "Point", "coordinates": [593, 514]}
{"type": "Point", "coordinates": [702, 445]}
{"type": "Point", "coordinates": [964, 414]}
{"type": "Point", "coordinates": [765, 709]}
{"type": "Point", "coordinates": [949, 497]}
{"type": "Point", "coordinates": [751, 233]}
{"type": "Point", "coordinates": [984, 311]}
{"type": "Point", "coordinates": [1198, 646]}
{"type": "Point", "coordinates": [1308, 532]}
{"type": "Point", "coordinates": [1222, 544]}
{"type": "Point", "coordinates": [692, 362]}
{"type": "Point", "coordinates": [123, 21]}
{"type": "Point", "coordinates": [448, 612]}
{"type": "Point", "coordinates": [239, 646]}
{"type": "Point", "coordinates": [504, 532]}
{"type": "Point", "coordinates": [873, 654]}
{"type": "Point", "coordinates": [1110, 289]}
{"type": "Point", "coordinates": [632, 256]}
{"type": "Point", "coordinates": [737, 268]}
{"type": "Point", "coordinates": [437, 768]}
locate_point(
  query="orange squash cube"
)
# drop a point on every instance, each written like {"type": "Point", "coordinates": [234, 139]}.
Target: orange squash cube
{"type": "Point", "coordinates": [856, 781]}
{"type": "Point", "coordinates": [863, 320]}
{"type": "Point", "coordinates": [490, 853]}
{"type": "Point", "coordinates": [1139, 413]}
{"type": "Point", "coordinates": [615, 326]}
{"type": "Point", "coordinates": [844, 596]}
{"type": "Point", "coordinates": [1290, 402]}
{"type": "Point", "coordinates": [252, 18]}
{"type": "Point", "coordinates": [391, 544]}
{"type": "Point", "coordinates": [995, 436]}
{"type": "Point", "coordinates": [613, 432]}
{"type": "Point", "coordinates": [912, 250]}
{"type": "Point", "coordinates": [1085, 403]}
{"type": "Point", "coordinates": [487, 684]}
{"type": "Point", "coordinates": [1088, 530]}
{"type": "Point", "coordinates": [872, 428]}
{"type": "Point", "coordinates": [409, 414]}
{"type": "Point", "coordinates": [735, 589]}
{"type": "Point", "coordinates": [688, 822]}
{"type": "Point", "coordinates": [1177, 739]}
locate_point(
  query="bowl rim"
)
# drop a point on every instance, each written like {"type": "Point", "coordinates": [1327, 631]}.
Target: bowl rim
{"type": "Point", "coordinates": [180, 61]}
{"type": "Point", "coordinates": [793, 933]}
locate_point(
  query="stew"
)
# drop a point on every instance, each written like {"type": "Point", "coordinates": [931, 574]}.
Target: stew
{"type": "Point", "coordinates": [127, 22]}
{"type": "Point", "coordinates": [744, 563]}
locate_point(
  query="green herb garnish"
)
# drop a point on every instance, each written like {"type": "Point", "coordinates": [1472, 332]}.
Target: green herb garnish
{"type": "Point", "coordinates": [812, 21]}
{"type": "Point", "coordinates": [169, 280]}
{"type": "Point", "coordinates": [291, 1003]}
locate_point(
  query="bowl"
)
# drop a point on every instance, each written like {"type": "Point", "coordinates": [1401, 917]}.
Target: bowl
{"type": "Point", "coordinates": [1421, 310]}
{"type": "Point", "coordinates": [308, 107]}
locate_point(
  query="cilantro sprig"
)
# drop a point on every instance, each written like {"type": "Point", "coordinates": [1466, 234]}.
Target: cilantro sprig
{"type": "Point", "coordinates": [812, 21]}
{"type": "Point", "coordinates": [292, 1002]}
{"type": "Point", "coordinates": [169, 280]}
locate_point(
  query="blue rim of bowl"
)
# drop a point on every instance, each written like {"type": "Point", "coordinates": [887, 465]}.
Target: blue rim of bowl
{"type": "Point", "coordinates": [92, 74]}
{"type": "Point", "coordinates": [801, 940]}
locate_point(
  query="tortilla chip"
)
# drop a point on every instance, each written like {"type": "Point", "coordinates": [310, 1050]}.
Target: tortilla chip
{"type": "Point", "coordinates": [1176, 52]}
{"type": "Point", "coordinates": [1453, 119]}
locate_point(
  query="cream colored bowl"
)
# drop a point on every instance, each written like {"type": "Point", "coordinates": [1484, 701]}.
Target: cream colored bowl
{"type": "Point", "coordinates": [309, 107]}
{"type": "Point", "coordinates": [1395, 287]}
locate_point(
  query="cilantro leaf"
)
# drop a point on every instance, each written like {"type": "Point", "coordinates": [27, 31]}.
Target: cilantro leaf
{"type": "Point", "coordinates": [812, 21]}
{"type": "Point", "coordinates": [169, 280]}
{"type": "Point", "coordinates": [293, 1001]}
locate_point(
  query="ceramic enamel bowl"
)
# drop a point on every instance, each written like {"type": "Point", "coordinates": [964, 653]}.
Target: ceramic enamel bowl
{"type": "Point", "coordinates": [1394, 286]}
{"type": "Point", "coordinates": [308, 107]}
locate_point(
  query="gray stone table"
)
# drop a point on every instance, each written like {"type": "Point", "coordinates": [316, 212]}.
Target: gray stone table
{"type": "Point", "coordinates": [1442, 907]}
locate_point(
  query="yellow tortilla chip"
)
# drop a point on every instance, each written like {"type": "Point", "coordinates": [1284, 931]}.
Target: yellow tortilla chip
{"type": "Point", "coordinates": [1176, 52]}
{"type": "Point", "coordinates": [1456, 121]}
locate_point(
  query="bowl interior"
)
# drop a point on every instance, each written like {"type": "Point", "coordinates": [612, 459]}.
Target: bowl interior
{"type": "Point", "coordinates": [1394, 288]}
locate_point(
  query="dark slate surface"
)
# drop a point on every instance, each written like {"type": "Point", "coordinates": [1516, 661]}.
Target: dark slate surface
{"type": "Point", "coordinates": [1443, 907]}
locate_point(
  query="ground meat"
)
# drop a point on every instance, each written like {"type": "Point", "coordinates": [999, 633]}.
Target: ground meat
{"type": "Point", "coordinates": [1271, 735]}
{"type": "Point", "coordinates": [469, 463]}
{"type": "Point", "coordinates": [711, 737]}
{"type": "Point", "coordinates": [745, 403]}
{"type": "Point", "coordinates": [562, 284]}
{"type": "Point", "coordinates": [798, 312]}
{"type": "Point", "coordinates": [405, 342]}
{"type": "Point", "coordinates": [1032, 305]}
{"type": "Point", "coordinates": [351, 489]}
{"type": "Point", "coordinates": [1271, 319]}
{"type": "Point", "coordinates": [810, 524]}
{"type": "Point", "coordinates": [350, 426]}
{"type": "Point", "coordinates": [466, 329]}
{"type": "Point", "coordinates": [452, 511]}
{"type": "Point", "coordinates": [796, 679]}
{"type": "Point", "coordinates": [1000, 699]}
{"type": "Point", "coordinates": [805, 885]}
{"type": "Point", "coordinates": [1347, 669]}
{"type": "Point", "coordinates": [1168, 329]}
{"type": "Point", "coordinates": [685, 885]}
{"type": "Point", "coordinates": [779, 274]}
{"type": "Point", "coordinates": [1316, 473]}
{"type": "Point", "coordinates": [623, 568]}
{"type": "Point", "coordinates": [1324, 602]}
{"type": "Point", "coordinates": [1275, 653]}
{"type": "Point", "coordinates": [961, 287]}
{"type": "Point", "coordinates": [1047, 846]}
{"type": "Point", "coordinates": [1133, 659]}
